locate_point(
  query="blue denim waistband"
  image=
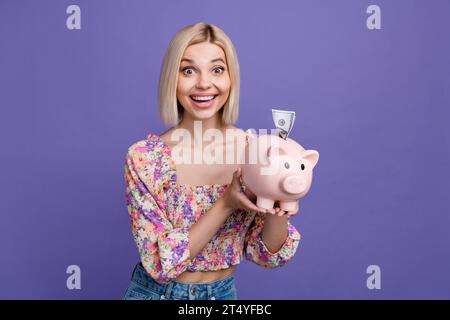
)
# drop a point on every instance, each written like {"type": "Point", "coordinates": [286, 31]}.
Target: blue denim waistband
{"type": "Point", "coordinates": [141, 277]}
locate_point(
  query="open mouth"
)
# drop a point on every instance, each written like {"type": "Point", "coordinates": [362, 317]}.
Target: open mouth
{"type": "Point", "coordinates": [203, 101]}
{"type": "Point", "coordinates": [203, 98]}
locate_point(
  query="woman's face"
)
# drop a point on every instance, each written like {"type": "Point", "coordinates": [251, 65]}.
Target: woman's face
{"type": "Point", "coordinates": [203, 82]}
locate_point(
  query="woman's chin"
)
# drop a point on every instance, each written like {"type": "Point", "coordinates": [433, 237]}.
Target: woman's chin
{"type": "Point", "coordinates": [203, 114]}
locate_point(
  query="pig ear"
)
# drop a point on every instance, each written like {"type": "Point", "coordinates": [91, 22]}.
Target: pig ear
{"type": "Point", "coordinates": [312, 156]}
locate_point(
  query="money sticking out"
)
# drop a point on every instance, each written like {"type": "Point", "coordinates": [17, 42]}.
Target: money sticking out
{"type": "Point", "coordinates": [284, 121]}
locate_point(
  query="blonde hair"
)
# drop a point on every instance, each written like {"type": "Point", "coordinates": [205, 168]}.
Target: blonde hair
{"type": "Point", "coordinates": [170, 110]}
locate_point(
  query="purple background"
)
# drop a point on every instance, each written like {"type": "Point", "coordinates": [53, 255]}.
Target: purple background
{"type": "Point", "coordinates": [374, 103]}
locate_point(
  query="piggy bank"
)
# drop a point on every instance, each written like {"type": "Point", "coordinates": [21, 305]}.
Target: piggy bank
{"type": "Point", "coordinates": [275, 169]}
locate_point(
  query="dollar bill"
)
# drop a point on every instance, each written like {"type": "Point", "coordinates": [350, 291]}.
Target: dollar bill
{"type": "Point", "coordinates": [284, 121]}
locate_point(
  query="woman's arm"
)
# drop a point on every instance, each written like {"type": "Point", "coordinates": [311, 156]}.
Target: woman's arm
{"type": "Point", "coordinates": [276, 228]}
{"type": "Point", "coordinates": [275, 232]}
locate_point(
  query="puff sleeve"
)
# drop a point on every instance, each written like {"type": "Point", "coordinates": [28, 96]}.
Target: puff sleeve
{"type": "Point", "coordinates": [163, 249]}
{"type": "Point", "coordinates": [256, 251]}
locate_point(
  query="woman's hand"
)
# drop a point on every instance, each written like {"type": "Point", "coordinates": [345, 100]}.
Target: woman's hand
{"type": "Point", "coordinates": [237, 198]}
{"type": "Point", "coordinates": [276, 211]}
{"type": "Point", "coordinates": [280, 212]}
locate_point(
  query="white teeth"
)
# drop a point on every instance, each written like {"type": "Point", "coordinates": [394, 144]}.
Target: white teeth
{"type": "Point", "coordinates": [204, 98]}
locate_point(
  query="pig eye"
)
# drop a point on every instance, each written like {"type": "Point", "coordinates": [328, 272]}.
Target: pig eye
{"type": "Point", "coordinates": [302, 166]}
{"type": "Point", "coordinates": [286, 165]}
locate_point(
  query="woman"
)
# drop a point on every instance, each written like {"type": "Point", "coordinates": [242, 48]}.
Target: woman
{"type": "Point", "coordinates": [191, 220]}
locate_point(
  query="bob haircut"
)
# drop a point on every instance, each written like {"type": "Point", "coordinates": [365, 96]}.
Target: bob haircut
{"type": "Point", "coordinates": [170, 109]}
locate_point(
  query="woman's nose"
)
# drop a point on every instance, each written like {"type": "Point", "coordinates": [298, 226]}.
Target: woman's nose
{"type": "Point", "coordinates": [203, 82]}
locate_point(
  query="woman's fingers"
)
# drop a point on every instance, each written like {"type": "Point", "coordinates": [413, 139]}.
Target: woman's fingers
{"type": "Point", "coordinates": [248, 198]}
{"type": "Point", "coordinates": [236, 177]}
{"type": "Point", "coordinates": [237, 174]}
{"type": "Point", "coordinates": [250, 194]}
{"type": "Point", "coordinates": [250, 205]}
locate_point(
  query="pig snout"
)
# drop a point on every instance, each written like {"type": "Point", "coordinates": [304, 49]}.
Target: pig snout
{"type": "Point", "coordinates": [293, 184]}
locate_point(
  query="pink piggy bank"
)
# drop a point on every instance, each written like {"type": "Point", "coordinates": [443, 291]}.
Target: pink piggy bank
{"type": "Point", "coordinates": [275, 169]}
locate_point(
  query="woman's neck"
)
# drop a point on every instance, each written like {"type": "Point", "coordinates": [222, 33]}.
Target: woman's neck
{"type": "Point", "coordinates": [191, 124]}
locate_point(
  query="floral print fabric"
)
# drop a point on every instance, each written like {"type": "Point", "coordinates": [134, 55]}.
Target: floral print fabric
{"type": "Point", "coordinates": [162, 211]}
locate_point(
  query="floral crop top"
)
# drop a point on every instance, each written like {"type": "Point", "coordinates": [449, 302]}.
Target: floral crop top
{"type": "Point", "coordinates": [161, 212]}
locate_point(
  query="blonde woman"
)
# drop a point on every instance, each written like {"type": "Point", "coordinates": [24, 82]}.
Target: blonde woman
{"type": "Point", "coordinates": [191, 220]}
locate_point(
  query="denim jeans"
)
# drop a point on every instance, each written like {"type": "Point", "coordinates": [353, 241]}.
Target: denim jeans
{"type": "Point", "coordinates": [144, 287]}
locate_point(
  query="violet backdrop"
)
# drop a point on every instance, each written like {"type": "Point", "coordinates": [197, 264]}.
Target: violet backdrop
{"type": "Point", "coordinates": [374, 103]}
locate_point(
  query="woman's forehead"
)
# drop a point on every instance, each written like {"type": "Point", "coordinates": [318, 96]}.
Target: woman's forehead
{"type": "Point", "coordinates": [204, 52]}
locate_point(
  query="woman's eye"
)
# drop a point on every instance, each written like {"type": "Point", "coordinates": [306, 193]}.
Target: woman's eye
{"type": "Point", "coordinates": [188, 70]}
{"type": "Point", "coordinates": [302, 166]}
{"type": "Point", "coordinates": [220, 69]}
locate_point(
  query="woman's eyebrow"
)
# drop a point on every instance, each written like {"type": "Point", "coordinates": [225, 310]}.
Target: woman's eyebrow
{"type": "Point", "coordinates": [192, 61]}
